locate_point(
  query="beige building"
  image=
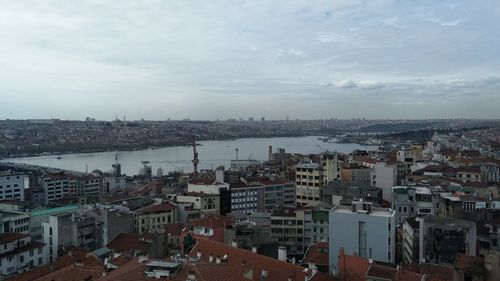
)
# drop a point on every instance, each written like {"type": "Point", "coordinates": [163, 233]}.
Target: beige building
{"type": "Point", "coordinates": [330, 167]}
{"type": "Point", "coordinates": [155, 217]}
{"type": "Point", "coordinates": [206, 203]}
{"type": "Point", "coordinates": [356, 173]}
{"type": "Point", "coordinates": [308, 182]}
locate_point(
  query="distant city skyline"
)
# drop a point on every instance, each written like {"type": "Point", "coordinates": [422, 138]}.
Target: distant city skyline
{"type": "Point", "coordinates": [213, 60]}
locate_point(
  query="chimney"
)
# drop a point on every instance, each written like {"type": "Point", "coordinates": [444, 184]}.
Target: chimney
{"type": "Point", "coordinates": [199, 254]}
{"type": "Point", "coordinates": [293, 260]}
{"type": "Point", "coordinates": [217, 260]}
{"type": "Point", "coordinates": [234, 244]}
{"type": "Point", "coordinates": [282, 253]}
{"type": "Point", "coordinates": [341, 260]}
{"type": "Point", "coordinates": [211, 258]}
{"type": "Point", "coordinates": [254, 249]}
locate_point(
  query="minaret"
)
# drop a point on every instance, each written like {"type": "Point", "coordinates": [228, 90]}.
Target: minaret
{"type": "Point", "coordinates": [195, 158]}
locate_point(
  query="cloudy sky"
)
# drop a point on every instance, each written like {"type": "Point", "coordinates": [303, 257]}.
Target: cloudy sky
{"type": "Point", "coordinates": [231, 59]}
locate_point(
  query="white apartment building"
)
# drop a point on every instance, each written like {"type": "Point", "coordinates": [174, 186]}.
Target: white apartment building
{"type": "Point", "coordinates": [58, 186]}
{"type": "Point", "coordinates": [12, 185]}
{"type": "Point", "coordinates": [384, 176]}
{"type": "Point", "coordinates": [14, 221]}
{"type": "Point", "coordinates": [360, 228]}
{"type": "Point", "coordinates": [18, 254]}
{"type": "Point", "coordinates": [308, 182]}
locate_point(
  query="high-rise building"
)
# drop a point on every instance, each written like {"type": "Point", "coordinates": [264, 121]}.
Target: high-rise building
{"type": "Point", "coordinates": [308, 182]}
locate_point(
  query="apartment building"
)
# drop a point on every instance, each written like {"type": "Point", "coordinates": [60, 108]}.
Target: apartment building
{"type": "Point", "coordinates": [155, 217]}
{"type": "Point", "coordinates": [13, 185]}
{"type": "Point", "coordinates": [57, 186]}
{"type": "Point", "coordinates": [278, 192]}
{"type": "Point", "coordinates": [19, 254]}
{"type": "Point", "coordinates": [409, 201]}
{"type": "Point", "coordinates": [292, 228]}
{"type": "Point", "coordinates": [363, 229]}
{"type": "Point", "coordinates": [308, 182]}
{"type": "Point", "coordinates": [205, 203]}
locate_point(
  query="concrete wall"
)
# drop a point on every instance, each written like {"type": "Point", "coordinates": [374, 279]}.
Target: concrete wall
{"type": "Point", "coordinates": [344, 231]}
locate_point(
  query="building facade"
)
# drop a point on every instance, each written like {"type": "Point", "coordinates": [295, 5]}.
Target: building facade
{"type": "Point", "coordinates": [19, 254]}
{"type": "Point", "coordinates": [155, 217]}
{"type": "Point", "coordinates": [360, 228]}
{"type": "Point", "coordinates": [308, 182]}
{"type": "Point", "coordinates": [13, 185]}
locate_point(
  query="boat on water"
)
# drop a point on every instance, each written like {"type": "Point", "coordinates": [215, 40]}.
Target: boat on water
{"type": "Point", "coordinates": [59, 157]}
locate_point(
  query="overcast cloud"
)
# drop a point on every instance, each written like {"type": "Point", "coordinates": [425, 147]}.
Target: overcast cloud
{"type": "Point", "coordinates": [231, 59]}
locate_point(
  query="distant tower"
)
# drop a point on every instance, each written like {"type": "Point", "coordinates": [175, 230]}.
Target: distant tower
{"type": "Point", "coordinates": [117, 167]}
{"type": "Point", "coordinates": [195, 158]}
{"type": "Point", "coordinates": [270, 153]}
{"type": "Point", "coordinates": [236, 153]}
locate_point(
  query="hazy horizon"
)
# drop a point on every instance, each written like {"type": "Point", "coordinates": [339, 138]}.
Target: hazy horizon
{"type": "Point", "coordinates": [208, 60]}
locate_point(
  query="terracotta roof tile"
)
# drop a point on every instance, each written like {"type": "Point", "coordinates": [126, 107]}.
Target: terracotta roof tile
{"type": "Point", "coordinates": [163, 207]}
{"type": "Point", "coordinates": [74, 273]}
{"type": "Point", "coordinates": [173, 228]}
{"type": "Point", "coordinates": [317, 254]}
{"type": "Point", "coordinates": [277, 270]}
{"type": "Point", "coordinates": [125, 242]}
{"type": "Point", "coordinates": [380, 271]}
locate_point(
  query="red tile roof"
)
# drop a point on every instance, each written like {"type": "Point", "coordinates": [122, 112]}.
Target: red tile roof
{"type": "Point", "coordinates": [125, 242]}
{"type": "Point", "coordinates": [213, 221]}
{"type": "Point", "coordinates": [381, 271]}
{"type": "Point", "coordinates": [433, 272]}
{"type": "Point", "coordinates": [72, 257]}
{"type": "Point", "coordinates": [8, 237]}
{"type": "Point", "coordinates": [74, 273]}
{"type": "Point", "coordinates": [317, 254]}
{"type": "Point", "coordinates": [160, 208]}
{"type": "Point", "coordinates": [135, 271]}
{"type": "Point", "coordinates": [121, 260]}
{"type": "Point", "coordinates": [277, 270]}
{"type": "Point", "coordinates": [173, 229]}
{"type": "Point", "coordinates": [352, 267]}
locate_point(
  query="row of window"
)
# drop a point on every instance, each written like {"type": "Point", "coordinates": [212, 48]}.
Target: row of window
{"type": "Point", "coordinates": [308, 183]}
{"type": "Point", "coordinates": [310, 198]}
{"type": "Point", "coordinates": [10, 190]}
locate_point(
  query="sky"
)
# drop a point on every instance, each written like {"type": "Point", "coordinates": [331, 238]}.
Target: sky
{"type": "Point", "coordinates": [163, 59]}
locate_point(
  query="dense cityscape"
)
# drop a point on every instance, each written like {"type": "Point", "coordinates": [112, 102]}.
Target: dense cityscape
{"type": "Point", "coordinates": [424, 209]}
{"type": "Point", "coordinates": [52, 136]}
